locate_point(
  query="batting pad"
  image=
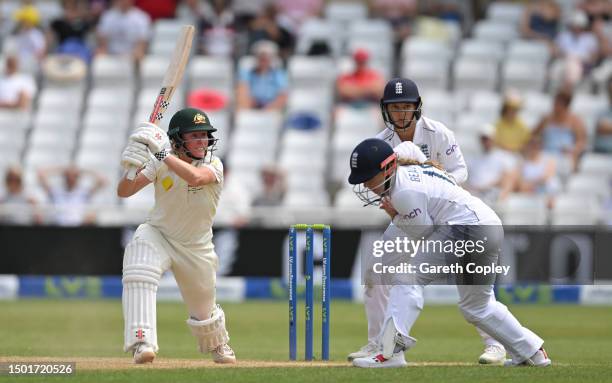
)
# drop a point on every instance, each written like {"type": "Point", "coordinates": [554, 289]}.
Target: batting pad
{"type": "Point", "coordinates": [211, 333]}
{"type": "Point", "coordinates": [141, 273]}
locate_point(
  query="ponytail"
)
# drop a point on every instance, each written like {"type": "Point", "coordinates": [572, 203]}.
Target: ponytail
{"type": "Point", "coordinates": [403, 161]}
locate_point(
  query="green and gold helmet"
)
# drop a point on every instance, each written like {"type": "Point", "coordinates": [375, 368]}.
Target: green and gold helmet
{"type": "Point", "coordinates": [186, 121]}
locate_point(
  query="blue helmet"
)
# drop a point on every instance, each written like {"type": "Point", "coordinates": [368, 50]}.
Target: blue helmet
{"type": "Point", "coordinates": [400, 90]}
{"type": "Point", "coordinates": [368, 159]}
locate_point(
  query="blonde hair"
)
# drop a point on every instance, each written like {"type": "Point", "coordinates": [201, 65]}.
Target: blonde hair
{"type": "Point", "coordinates": [403, 161]}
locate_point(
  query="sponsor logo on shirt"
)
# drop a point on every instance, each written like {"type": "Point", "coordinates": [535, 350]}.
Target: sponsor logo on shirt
{"type": "Point", "coordinates": [413, 214]}
{"type": "Point", "coordinates": [167, 183]}
{"type": "Point", "coordinates": [451, 149]}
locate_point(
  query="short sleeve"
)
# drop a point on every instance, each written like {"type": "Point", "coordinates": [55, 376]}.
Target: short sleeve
{"type": "Point", "coordinates": [105, 26]}
{"type": "Point", "coordinates": [281, 78]}
{"type": "Point", "coordinates": [216, 166]}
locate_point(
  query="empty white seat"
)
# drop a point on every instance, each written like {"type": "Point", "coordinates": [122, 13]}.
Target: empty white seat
{"type": "Point", "coordinates": [575, 209]}
{"type": "Point", "coordinates": [482, 50]}
{"type": "Point", "coordinates": [110, 100]}
{"type": "Point", "coordinates": [308, 100]}
{"type": "Point", "coordinates": [427, 74]}
{"type": "Point", "coordinates": [347, 198]}
{"type": "Point", "coordinates": [524, 209]}
{"type": "Point", "coordinates": [56, 121]}
{"type": "Point", "coordinates": [111, 71]}
{"type": "Point", "coordinates": [309, 72]}
{"type": "Point", "coordinates": [373, 29]}
{"type": "Point", "coordinates": [111, 139]}
{"type": "Point", "coordinates": [472, 122]}
{"type": "Point", "coordinates": [162, 47]}
{"type": "Point", "coordinates": [471, 75]}
{"type": "Point", "coordinates": [487, 104]}
{"type": "Point", "coordinates": [537, 103]}
{"type": "Point", "coordinates": [48, 139]}
{"type": "Point", "coordinates": [307, 199]}
{"type": "Point", "coordinates": [524, 75]}
{"type": "Point", "coordinates": [529, 50]}
{"type": "Point", "coordinates": [153, 69]}
{"type": "Point", "coordinates": [212, 73]}
{"type": "Point", "coordinates": [469, 142]}
{"type": "Point", "coordinates": [588, 105]}
{"type": "Point", "coordinates": [301, 161]}
{"type": "Point", "coordinates": [495, 31]}
{"type": "Point", "coordinates": [17, 120]}
{"type": "Point", "coordinates": [505, 12]}
{"type": "Point", "coordinates": [304, 140]}
{"type": "Point", "coordinates": [589, 185]}
{"type": "Point", "coordinates": [345, 12]}
{"type": "Point", "coordinates": [366, 121]}
{"type": "Point", "coordinates": [416, 48]}
{"type": "Point", "coordinates": [300, 181]}
{"type": "Point", "coordinates": [167, 29]}
{"type": "Point", "coordinates": [105, 121]}
{"type": "Point", "coordinates": [46, 157]}
{"type": "Point", "coordinates": [56, 98]}
{"type": "Point", "coordinates": [595, 163]}
{"type": "Point", "coordinates": [105, 160]}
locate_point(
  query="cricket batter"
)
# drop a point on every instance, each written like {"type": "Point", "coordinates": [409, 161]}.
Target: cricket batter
{"type": "Point", "coordinates": [424, 201]}
{"type": "Point", "coordinates": [401, 111]}
{"type": "Point", "coordinates": [177, 234]}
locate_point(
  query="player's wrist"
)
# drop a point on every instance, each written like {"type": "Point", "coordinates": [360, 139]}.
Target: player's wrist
{"type": "Point", "coordinates": [162, 154]}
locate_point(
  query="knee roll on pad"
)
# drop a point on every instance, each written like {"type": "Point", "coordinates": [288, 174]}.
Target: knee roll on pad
{"type": "Point", "coordinates": [211, 332]}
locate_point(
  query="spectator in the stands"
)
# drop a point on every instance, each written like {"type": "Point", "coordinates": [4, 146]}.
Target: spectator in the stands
{"type": "Point", "coordinates": [17, 206]}
{"type": "Point", "coordinates": [492, 173]}
{"type": "Point", "coordinates": [603, 137]}
{"type": "Point", "coordinates": [27, 40]}
{"type": "Point", "coordinates": [158, 9]}
{"type": "Point", "coordinates": [541, 21]}
{"type": "Point", "coordinates": [563, 133]}
{"type": "Point", "coordinates": [71, 199]}
{"type": "Point", "coordinates": [579, 49]}
{"type": "Point", "coordinates": [362, 86]}
{"type": "Point", "coordinates": [16, 89]}
{"type": "Point", "coordinates": [511, 132]}
{"type": "Point", "coordinates": [597, 11]}
{"type": "Point", "coordinates": [124, 30]}
{"type": "Point", "coordinates": [293, 13]}
{"type": "Point", "coordinates": [274, 187]}
{"type": "Point", "coordinates": [217, 28]}
{"type": "Point", "coordinates": [265, 85]}
{"type": "Point", "coordinates": [265, 26]}
{"type": "Point", "coordinates": [68, 33]}
{"type": "Point", "coordinates": [537, 172]}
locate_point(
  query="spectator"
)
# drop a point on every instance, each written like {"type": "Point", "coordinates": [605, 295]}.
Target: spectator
{"type": "Point", "coordinates": [19, 207]}
{"type": "Point", "coordinates": [511, 133]}
{"type": "Point", "coordinates": [71, 200]}
{"type": "Point", "coordinates": [124, 30]}
{"type": "Point", "coordinates": [16, 89]}
{"type": "Point", "coordinates": [492, 173]}
{"type": "Point", "coordinates": [265, 26]}
{"type": "Point", "coordinates": [274, 187]}
{"type": "Point", "coordinates": [603, 137]}
{"type": "Point", "coordinates": [69, 32]}
{"type": "Point", "coordinates": [362, 86]}
{"type": "Point", "coordinates": [217, 29]}
{"type": "Point", "coordinates": [27, 40]}
{"type": "Point", "coordinates": [537, 173]}
{"type": "Point", "coordinates": [541, 20]}
{"type": "Point", "coordinates": [293, 13]}
{"type": "Point", "coordinates": [578, 48]}
{"type": "Point", "coordinates": [264, 86]}
{"type": "Point", "coordinates": [563, 133]}
{"type": "Point", "coordinates": [597, 11]}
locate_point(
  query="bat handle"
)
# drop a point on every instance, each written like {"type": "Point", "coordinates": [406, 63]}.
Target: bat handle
{"type": "Point", "coordinates": [132, 173]}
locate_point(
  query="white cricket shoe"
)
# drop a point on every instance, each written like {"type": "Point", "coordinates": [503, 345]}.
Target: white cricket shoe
{"type": "Point", "coordinates": [379, 361]}
{"type": "Point", "coordinates": [143, 353]}
{"type": "Point", "coordinates": [224, 354]}
{"type": "Point", "coordinates": [493, 354]}
{"type": "Point", "coordinates": [539, 359]}
{"type": "Point", "coordinates": [366, 350]}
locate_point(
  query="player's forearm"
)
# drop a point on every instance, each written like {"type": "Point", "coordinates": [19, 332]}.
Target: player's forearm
{"type": "Point", "coordinates": [192, 175]}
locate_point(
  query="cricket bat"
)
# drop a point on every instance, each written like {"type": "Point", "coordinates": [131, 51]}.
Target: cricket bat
{"type": "Point", "coordinates": [171, 81]}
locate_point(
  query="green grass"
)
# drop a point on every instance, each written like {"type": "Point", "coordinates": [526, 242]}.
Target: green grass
{"type": "Point", "coordinates": [578, 339]}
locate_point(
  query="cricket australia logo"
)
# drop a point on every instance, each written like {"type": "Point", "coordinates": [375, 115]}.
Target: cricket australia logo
{"type": "Point", "coordinates": [398, 88]}
{"type": "Point", "coordinates": [425, 150]}
{"type": "Point", "coordinates": [354, 160]}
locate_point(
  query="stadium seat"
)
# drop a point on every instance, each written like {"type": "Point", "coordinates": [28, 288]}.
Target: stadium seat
{"type": "Point", "coordinates": [112, 71]}
{"type": "Point", "coordinates": [167, 29]}
{"type": "Point", "coordinates": [416, 48]}
{"type": "Point", "coordinates": [346, 198]}
{"type": "Point", "coordinates": [40, 157]}
{"type": "Point", "coordinates": [314, 30]}
{"type": "Point", "coordinates": [471, 76]}
{"type": "Point", "coordinates": [41, 138]}
{"type": "Point", "coordinates": [589, 185]}
{"type": "Point", "coordinates": [523, 75]}
{"type": "Point", "coordinates": [486, 104]}
{"type": "Point", "coordinates": [304, 140]}
{"type": "Point", "coordinates": [310, 100]}
{"type": "Point", "coordinates": [469, 142]}
{"type": "Point", "coordinates": [153, 69]}
{"type": "Point", "coordinates": [211, 73]}
{"type": "Point", "coordinates": [306, 199]}
{"type": "Point", "coordinates": [537, 103]}
{"type": "Point", "coordinates": [589, 106]}
{"type": "Point", "coordinates": [345, 12]}
{"type": "Point", "coordinates": [595, 163]}
{"type": "Point", "coordinates": [505, 12]}
{"type": "Point", "coordinates": [17, 120]}
{"type": "Point", "coordinates": [482, 50]}
{"type": "Point", "coordinates": [311, 72]}
{"type": "Point", "coordinates": [366, 121]}
{"type": "Point", "coordinates": [106, 121]}
{"type": "Point", "coordinates": [372, 29]}
{"type": "Point", "coordinates": [575, 209]}
{"type": "Point", "coordinates": [56, 121]}
{"type": "Point", "coordinates": [523, 209]}
{"type": "Point", "coordinates": [428, 74]}
{"type": "Point", "coordinates": [111, 100]}
{"type": "Point", "coordinates": [55, 98]}
{"type": "Point", "coordinates": [529, 50]}
{"type": "Point", "coordinates": [304, 180]}
{"type": "Point", "coordinates": [495, 31]}
{"type": "Point", "coordinates": [302, 161]}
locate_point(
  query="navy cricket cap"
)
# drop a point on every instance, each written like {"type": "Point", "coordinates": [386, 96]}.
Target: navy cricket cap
{"type": "Point", "coordinates": [368, 159]}
{"type": "Point", "coordinates": [400, 90]}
